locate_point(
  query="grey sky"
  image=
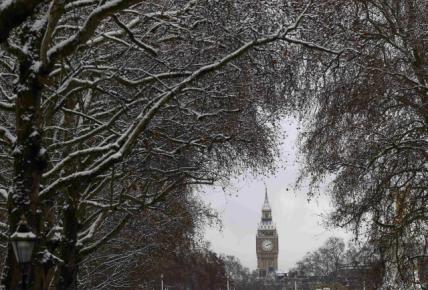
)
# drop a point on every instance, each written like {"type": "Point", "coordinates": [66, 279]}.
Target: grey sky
{"type": "Point", "coordinates": [298, 221]}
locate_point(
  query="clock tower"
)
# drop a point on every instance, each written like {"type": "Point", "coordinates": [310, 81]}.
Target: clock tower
{"type": "Point", "coordinates": [266, 242]}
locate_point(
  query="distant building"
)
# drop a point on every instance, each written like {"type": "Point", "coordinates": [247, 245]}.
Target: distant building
{"type": "Point", "coordinates": [267, 243]}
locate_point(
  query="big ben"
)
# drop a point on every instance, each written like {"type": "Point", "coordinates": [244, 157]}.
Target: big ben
{"type": "Point", "coordinates": [267, 242]}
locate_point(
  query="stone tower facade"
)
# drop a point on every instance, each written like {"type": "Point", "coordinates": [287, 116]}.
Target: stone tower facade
{"type": "Point", "coordinates": [267, 242]}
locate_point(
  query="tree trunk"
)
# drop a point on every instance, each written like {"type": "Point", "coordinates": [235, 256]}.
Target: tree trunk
{"type": "Point", "coordinates": [29, 164]}
{"type": "Point", "coordinates": [10, 277]}
{"type": "Point", "coordinates": [69, 250]}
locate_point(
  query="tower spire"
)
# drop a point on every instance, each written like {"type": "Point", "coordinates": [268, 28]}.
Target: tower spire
{"type": "Point", "coordinates": [266, 205]}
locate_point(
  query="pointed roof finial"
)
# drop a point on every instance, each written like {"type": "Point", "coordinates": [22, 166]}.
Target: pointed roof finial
{"type": "Point", "coordinates": [266, 205]}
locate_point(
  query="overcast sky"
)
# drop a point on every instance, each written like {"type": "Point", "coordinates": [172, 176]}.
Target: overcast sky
{"type": "Point", "coordinates": [298, 221]}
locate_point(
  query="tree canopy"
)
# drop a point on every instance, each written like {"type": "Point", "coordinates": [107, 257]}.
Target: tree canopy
{"type": "Point", "coordinates": [366, 116]}
{"type": "Point", "coordinates": [107, 107]}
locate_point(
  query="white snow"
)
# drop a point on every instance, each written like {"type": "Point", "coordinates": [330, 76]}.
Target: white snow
{"type": "Point", "coordinates": [36, 66]}
{"type": "Point", "coordinates": [5, 3]}
{"type": "Point", "coordinates": [26, 117]}
{"type": "Point", "coordinates": [35, 133]}
{"type": "Point", "coordinates": [4, 194]}
{"type": "Point", "coordinates": [42, 152]}
{"type": "Point", "coordinates": [7, 134]}
{"type": "Point", "coordinates": [39, 23]}
{"type": "Point", "coordinates": [17, 150]}
{"type": "Point", "coordinates": [18, 236]}
{"type": "Point", "coordinates": [48, 256]}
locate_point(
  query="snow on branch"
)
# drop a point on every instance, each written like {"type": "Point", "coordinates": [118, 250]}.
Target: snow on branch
{"type": "Point", "coordinates": [54, 15]}
{"type": "Point", "coordinates": [67, 46]}
{"type": "Point", "coordinates": [80, 3]}
{"type": "Point", "coordinates": [90, 133]}
{"type": "Point", "coordinates": [144, 119]}
{"type": "Point", "coordinates": [4, 194]}
{"type": "Point", "coordinates": [7, 106]}
{"type": "Point", "coordinates": [312, 45]}
{"type": "Point", "coordinates": [129, 138]}
{"type": "Point", "coordinates": [173, 13]}
{"type": "Point", "coordinates": [151, 78]}
{"type": "Point", "coordinates": [3, 237]}
{"type": "Point", "coordinates": [131, 35]}
{"type": "Point", "coordinates": [13, 13]}
{"type": "Point", "coordinates": [4, 226]}
{"type": "Point", "coordinates": [7, 135]}
{"type": "Point", "coordinates": [119, 32]}
{"type": "Point", "coordinates": [98, 204]}
{"type": "Point", "coordinates": [76, 154]}
{"type": "Point", "coordinates": [88, 249]}
{"type": "Point", "coordinates": [90, 232]}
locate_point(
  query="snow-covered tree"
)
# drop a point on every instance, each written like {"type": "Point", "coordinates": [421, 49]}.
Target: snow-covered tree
{"type": "Point", "coordinates": [157, 241]}
{"type": "Point", "coordinates": [109, 106]}
{"type": "Point", "coordinates": [367, 127]}
{"type": "Point", "coordinates": [325, 262]}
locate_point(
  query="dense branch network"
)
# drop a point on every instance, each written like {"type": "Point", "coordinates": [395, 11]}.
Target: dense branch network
{"type": "Point", "coordinates": [108, 107]}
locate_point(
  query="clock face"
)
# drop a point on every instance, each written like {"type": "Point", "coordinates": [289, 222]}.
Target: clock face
{"type": "Point", "coordinates": [267, 245]}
